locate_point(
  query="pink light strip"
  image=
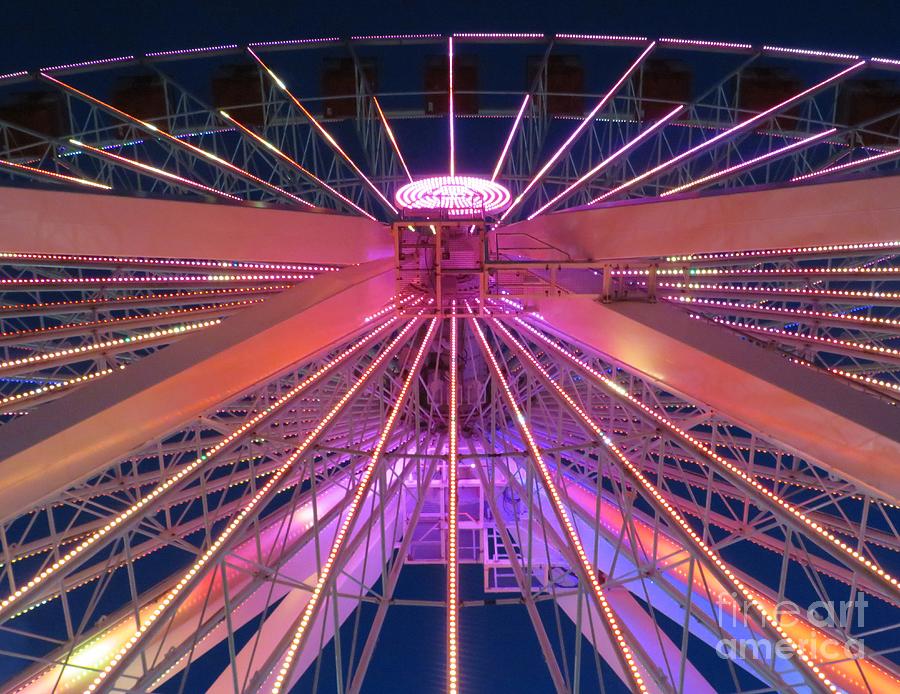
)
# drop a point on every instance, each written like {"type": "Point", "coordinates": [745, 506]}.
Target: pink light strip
{"type": "Point", "coordinates": [377, 37]}
{"type": "Point", "coordinates": [187, 51]}
{"type": "Point", "coordinates": [154, 170]}
{"type": "Point", "coordinates": [887, 61]}
{"type": "Point", "coordinates": [453, 515]}
{"type": "Point", "coordinates": [296, 165]}
{"type": "Point", "coordinates": [744, 125]}
{"type": "Point", "coordinates": [55, 176]}
{"type": "Point", "coordinates": [450, 107]}
{"type": "Point", "coordinates": [392, 137]}
{"type": "Point", "coordinates": [509, 139]}
{"type": "Point", "coordinates": [603, 37]}
{"type": "Point", "coordinates": [750, 162]}
{"type": "Point", "coordinates": [498, 36]}
{"type": "Point", "coordinates": [322, 131]}
{"type": "Point", "coordinates": [627, 147]}
{"type": "Point", "coordinates": [701, 43]}
{"type": "Point", "coordinates": [810, 53]}
{"type": "Point", "coordinates": [581, 126]}
{"type": "Point", "coordinates": [11, 75]}
{"type": "Point", "coordinates": [293, 42]}
{"type": "Point", "coordinates": [67, 258]}
{"type": "Point", "coordinates": [859, 163]}
{"type": "Point", "coordinates": [89, 63]}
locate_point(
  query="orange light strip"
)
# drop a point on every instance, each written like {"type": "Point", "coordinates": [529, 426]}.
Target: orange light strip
{"type": "Point", "coordinates": [612, 623]}
{"type": "Point", "coordinates": [453, 515]}
{"type": "Point", "coordinates": [322, 131]}
{"type": "Point", "coordinates": [392, 137]}
{"type": "Point", "coordinates": [10, 602]}
{"type": "Point", "coordinates": [156, 131]}
{"type": "Point", "coordinates": [669, 509]}
{"type": "Point", "coordinates": [193, 574]}
{"type": "Point", "coordinates": [289, 160]}
{"type": "Point", "coordinates": [362, 487]}
{"type": "Point", "coordinates": [53, 175]}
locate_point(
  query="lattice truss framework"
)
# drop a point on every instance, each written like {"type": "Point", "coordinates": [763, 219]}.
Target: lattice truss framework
{"type": "Point", "coordinates": [241, 399]}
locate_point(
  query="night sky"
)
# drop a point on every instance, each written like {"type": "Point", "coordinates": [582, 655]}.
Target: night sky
{"type": "Point", "coordinates": [501, 653]}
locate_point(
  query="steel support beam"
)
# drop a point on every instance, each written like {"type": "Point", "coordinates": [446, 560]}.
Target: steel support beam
{"type": "Point", "coordinates": [851, 211]}
{"type": "Point", "coordinates": [38, 221]}
{"type": "Point", "coordinates": [839, 427]}
{"type": "Point", "coordinates": [75, 437]}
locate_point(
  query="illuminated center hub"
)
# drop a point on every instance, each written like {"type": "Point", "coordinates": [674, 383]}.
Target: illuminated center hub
{"type": "Point", "coordinates": [459, 195]}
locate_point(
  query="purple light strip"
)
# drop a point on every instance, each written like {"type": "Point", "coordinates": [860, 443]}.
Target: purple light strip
{"type": "Point", "coordinates": [750, 162]}
{"type": "Point", "coordinates": [884, 156]}
{"type": "Point", "coordinates": [186, 51]}
{"type": "Point", "coordinates": [498, 36]}
{"type": "Point", "coordinates": [744, 125]}
{"type": "Point", "coordinates": [293, 42]}
{"type": "Point", "coordinates": [450, 109]}
{"type": "Point", "coordinates": [701, 43]}
{"type": "Point", "coordinates": [89, 63]}
{"type": "Point", "coordinates": [603, 37]}
{"type": "Point", "coordinates": [11, 75]}
{"type": "Point", "coordinates": [810, 53]}
{"type": "Point", "coordinates": [581, 126]}
{"type": "Point", "coordinates": [887, 61]}
{"type": "Point", "coordinates": [509, 139]}
{"type": "Point", "coordinates": [381, 37]}
{"type": "Point", "coordinates": [628, 146]}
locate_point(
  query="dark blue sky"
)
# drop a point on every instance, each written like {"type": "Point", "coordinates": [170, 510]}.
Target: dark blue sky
{"type": "Point", "coordinates": [49, 33]}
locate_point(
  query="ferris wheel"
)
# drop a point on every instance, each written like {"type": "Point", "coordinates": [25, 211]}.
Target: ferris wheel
{"type": "Point", "coordinates": [574, 345]}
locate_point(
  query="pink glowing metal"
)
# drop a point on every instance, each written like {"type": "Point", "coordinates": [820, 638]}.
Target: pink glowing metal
{"type": "Point", "coordinates": [459, 195]}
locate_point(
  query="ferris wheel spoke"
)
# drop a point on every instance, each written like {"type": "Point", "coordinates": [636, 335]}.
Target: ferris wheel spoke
{"type": "Point", "coordinates": [263, 342]}
{"type": "Point", "coordinates": [851, 212]}
{"type": "Point", "coordinates": [672, 348]}
{"type": "Point", "coordinates": [34, 221]}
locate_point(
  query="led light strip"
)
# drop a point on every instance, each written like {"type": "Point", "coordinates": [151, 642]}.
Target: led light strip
{"type": "Point", "coordinates": [39, 359]}
{"type": "Point", "coordinates": [724, 464]}
{"type": "Point", "coordinates": [895, 387]}
{"type": "Point", "coordinates": [453, 515]}
{"type": "Point", "coordinates": [153, 170]}
{"type": "Point", "coordinates": [19, 397]}
{"type": "Point", "coordinates": [509, 139]}
{"type": "Point", "coordinates": [781, 151]}
{"type": "Point", "coordinates": [322, 131]}
{"type": "Point", "coordinates": [600, 105]}
{"type": "Point", "coordinates": [615, 631]}
{"type": "Point", "coordinates": [797, 312]}
{"type": "Point", "coordinates": [817, 293]}
{"type": "Point", "coordinates": [152, 279]}
{"type": "Point", "coordinates": [64, 258]}
{"type": "Point", "coordinates": [362, 487]}
{"type": "Point", "coordinates": [138, 298]}
{"type": "Point", "coordinates": [53, 175]}
{"type": "Point", "coordinates": [175, 140]}
{"type": "Point", "coordinates": [391, 137]}
{"type": "Point", "coordinates": [790, 271]}
{"type": "Point", "coordinates": [187, 469]}
{"type": "Point", "coordinates": [875, 350]}
{"type": "Point", "coordinates": [743, 125]}
{"type": "Point", "coordinates": [796, 250]}
{"type": "Point", "coordinates": [859, 163]}
{"type": "Point", "coordinates": [450, 106]}
{"type": "Point", "coordinates": [260, 495]}
{"type": "Point", "coordinates": [636, 472]}
{"type": "Point", "coordinates": [305, 172]}
{"type": "Point", "coordinates": [624, 149]}
{"type": "Point", "coordinates": [104, 322]}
